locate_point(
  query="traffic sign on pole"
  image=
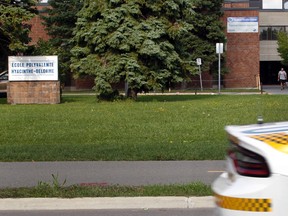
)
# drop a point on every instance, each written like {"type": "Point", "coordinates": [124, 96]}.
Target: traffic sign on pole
{"type": "Point", "coordinates": [219, 48]}
{"type": "Point", "coordinates": [198, 61]}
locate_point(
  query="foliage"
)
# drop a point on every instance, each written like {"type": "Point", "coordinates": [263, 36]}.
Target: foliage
{"type": "Point", "coordinates": [59, 20]}
{"type": "Point", "coordinates": [208, 30]}
{"type": "Point", "coordinates": [43, 47]}
{"type": "Point", "coordinates": [14, 29]}
{"type": "Point", "coordinates": [147, 44]}
{"type": "Point", "coordinates": [56, 184]}
{"type": "Point", "coordinates": [283, 47]}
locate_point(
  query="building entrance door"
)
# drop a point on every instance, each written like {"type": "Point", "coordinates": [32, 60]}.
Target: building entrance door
{"type": "Point", "coordinates": [269, 72]}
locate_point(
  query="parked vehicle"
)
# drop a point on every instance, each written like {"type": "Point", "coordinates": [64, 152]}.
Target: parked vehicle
{"type": "Point", "coordinates": [3, 83]}
{"type": "Point", "coordinates": [256, 179]}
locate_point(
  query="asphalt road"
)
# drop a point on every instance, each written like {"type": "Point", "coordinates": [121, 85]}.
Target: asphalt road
{"type": "Point", "coordinates": [127, 212]}
{"type": "Point", "coordinates": [29, 174]}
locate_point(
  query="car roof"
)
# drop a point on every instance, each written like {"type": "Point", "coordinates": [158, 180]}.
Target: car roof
{"type": "Point", "coordinates": [3, 73]}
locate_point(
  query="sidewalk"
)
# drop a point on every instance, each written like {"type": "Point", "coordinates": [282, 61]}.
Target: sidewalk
{"type": "Point", "coordinates": [106, 203]}
{"type": "Point", "coordinates": [275, 90]}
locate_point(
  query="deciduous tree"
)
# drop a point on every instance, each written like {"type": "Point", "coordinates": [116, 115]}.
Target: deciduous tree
{"type": "Point", "coordinates": [14, 30]}
{"type": "Point", "coordinates": [283, 47]}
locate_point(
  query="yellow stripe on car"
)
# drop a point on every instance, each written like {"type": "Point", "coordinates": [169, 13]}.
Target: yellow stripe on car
{"type": "Point", "coordinates": [278, 141]}
{"type": "Point", "coordinates": [244, 204]}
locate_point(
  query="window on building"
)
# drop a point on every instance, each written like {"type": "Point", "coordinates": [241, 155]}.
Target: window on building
{"type": "Point", "coordinates": [286, 4]}
{"type": "Point", "coordinates": [255, 3]}
{"type": "Point", "coordinates": [236, 0]}
{"type": "Point", "coordinates": [270, 32]}
{"type": "Point", "coordinates": [272, 4]}
{"type": "Point", "coordinates": [263, 33]}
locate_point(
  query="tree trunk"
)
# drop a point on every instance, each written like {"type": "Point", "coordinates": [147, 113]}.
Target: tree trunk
{"type": "Point", "coordinates": [132, 93]}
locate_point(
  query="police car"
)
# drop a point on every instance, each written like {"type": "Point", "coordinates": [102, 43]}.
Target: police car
{"type": "Point", "coordinates": [256, 177]}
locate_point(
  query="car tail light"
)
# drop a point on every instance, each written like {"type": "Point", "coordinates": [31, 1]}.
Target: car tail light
{"type": "Point", "coordinates": [248, 163]}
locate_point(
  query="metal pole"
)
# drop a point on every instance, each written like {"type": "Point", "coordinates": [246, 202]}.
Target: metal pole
{"type": "Point", "coordinates": [219, 72]}
{"type": "Point", "coordinates": [201, 86]}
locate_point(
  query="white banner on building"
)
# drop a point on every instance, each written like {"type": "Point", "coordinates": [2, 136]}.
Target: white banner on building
{"type": "Point", "coordinates": [272, 4]}
{"type": "Point", "coordinates": [33, 68]}
{"type": "Point", "coordinates": [242, 25]}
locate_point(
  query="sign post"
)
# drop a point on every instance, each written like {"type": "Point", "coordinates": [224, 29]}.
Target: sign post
{"type": "Point", "coordinates": [219, 50]}
{"type": "Point", "coordinates": [33, 68]}
{"type": "Point", "coordinates": [33, 80]}
{"type": "Point", "coordinates": [199, 63]}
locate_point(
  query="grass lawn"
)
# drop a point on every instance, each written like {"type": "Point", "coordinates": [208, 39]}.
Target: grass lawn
{"type": "Point", "coordinates": [45, 190]}
{"type": "Point", "coordinates": [179, 127]}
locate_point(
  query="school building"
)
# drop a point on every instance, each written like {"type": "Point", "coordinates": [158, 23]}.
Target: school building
{"type": "Point", "coordinates": [251, 28]}
{"type": "Point", "coordinates": [252, 55]}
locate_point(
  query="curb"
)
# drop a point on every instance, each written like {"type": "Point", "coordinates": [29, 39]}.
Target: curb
{"type": "Point", "coordinates": [102, 203]}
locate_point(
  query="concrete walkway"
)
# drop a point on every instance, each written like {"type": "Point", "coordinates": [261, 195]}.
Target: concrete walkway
{"type": "Point", "coordinates": [275, 89]}
{"type": "Point", "coordinates": [29, 204]}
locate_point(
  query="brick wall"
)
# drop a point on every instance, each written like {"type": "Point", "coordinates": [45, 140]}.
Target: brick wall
{"type": "Point", "coordinates": [242, 55]}
{"type": "Point", "coordinates": [236, 5]}
{"type": "Point", "coordinates": [37, 28]}
{"type": "Point", "coordinates": [33, 92]}
{"type": "Point", "coordinates": [86, 82]}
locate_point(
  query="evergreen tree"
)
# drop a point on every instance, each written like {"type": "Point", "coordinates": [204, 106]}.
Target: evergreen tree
{"type": "Point", "coordinates": [208, 30]}
{"type": "Point", "coordinates": [146, 43]}
{"type": "Point", "coordinates": [59, 20]}
{"type": "Point", "coordinates": [14, 30]}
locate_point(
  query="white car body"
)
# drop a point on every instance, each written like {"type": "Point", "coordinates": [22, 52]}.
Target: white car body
{"type": "Point", "coordinates": [256, 179]}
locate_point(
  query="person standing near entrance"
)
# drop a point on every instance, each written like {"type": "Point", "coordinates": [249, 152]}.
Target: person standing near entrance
{"type": "Point", "coordinates": [282, 77]}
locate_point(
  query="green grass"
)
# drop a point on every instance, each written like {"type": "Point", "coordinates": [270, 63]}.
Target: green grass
{"type": "Point", "coordinates": [45, 190]}
{"type": "Point", "coordinates": [179, 127]}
